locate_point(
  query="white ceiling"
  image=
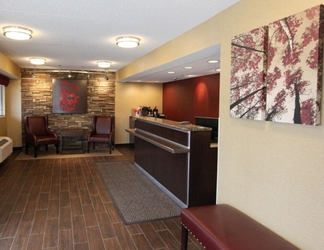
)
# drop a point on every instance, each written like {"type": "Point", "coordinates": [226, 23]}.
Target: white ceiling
{"type": "Point", "coordinates": [75, 34]}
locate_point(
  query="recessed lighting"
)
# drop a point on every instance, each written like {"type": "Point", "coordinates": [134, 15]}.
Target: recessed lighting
{"type": "Point", "coordinates": [104, 64]}
{"type": "Point", "coordinates": [171, 72]}
{"type": "Point", "coordinates": [37, 61]}
{"type": "Point", "coordinates": [17, 33]}
{"type": "Point", "coordinates": [128, 41]}
{"type": "Point", "coordinates": [218, 70]}
{"type": "Point", "coordinates": [213, 61]}
{"type": "Point", "coordinates": [188, 67]}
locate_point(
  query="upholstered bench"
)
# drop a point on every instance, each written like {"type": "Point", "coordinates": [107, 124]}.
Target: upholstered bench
{"type": "Point", "coordinates": [224, 227]}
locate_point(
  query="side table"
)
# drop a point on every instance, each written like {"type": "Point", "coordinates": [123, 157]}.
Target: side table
{"type": "Point", "coordinates": [72, 133]}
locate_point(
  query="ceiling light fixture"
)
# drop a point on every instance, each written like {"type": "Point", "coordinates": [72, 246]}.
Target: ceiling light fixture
{"type": "Point", "coordinates": [188, 67]}
{"type": "Point", "coordinates": [17, 33]}
{"type": "Point", "coordinates": [213, 61]}
{"type": "Point", "coordinates": [128, 41]}
{"type": "Point", "coordinates": [103, 64]}
{"type": "Point", "coordinates": [37, 61]}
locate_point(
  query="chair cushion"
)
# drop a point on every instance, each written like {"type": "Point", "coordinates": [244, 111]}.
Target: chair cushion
{"type": "Point", "coordinates": [37, 125]}
{"type": "Point", "coordinates": [224, 227]}
{"type": "Point", "coordinates": [99, 138]}
{"type": "Point", "coordinates": [103, 125]}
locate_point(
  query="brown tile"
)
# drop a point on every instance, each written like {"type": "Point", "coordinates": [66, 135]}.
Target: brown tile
{"type": "Point", "coordinates": [30, 211]}
{"type": "Point", "coordinates": [22, 235]}
{"type": "Point", "coordinates": [43, 201]}
{"type": "Point", "coordinates": [65, 218]}
{"type": "Point", "coordinates": [34, 194]}
{"type": "Point", "coordinates": [124, 238]}
{"type": "Point", "coordinates": [5, 213]}
{"type": "Point", "coordinates": [97, 204]}
{"type": "Point", "coordinates": [51, 233]}
{"type": "Point", "coordinates": [92, 188]}
{"type": "Point", "coordinates": [89, 215]}
{"type": "Point", "coordinates": [112, 212]}
{"type": "Point", "coordinates": [134, 229]}
{"type": "Point", "coordinates": [169, 239]}
{"type": "Point", "coordinates": [112, 244]}
{"type": "Point", "coordinates": [85, 197]}
{"type": "Point", "coordinates": [82, 246]}
{"type": "Point", "coordinates": [5, 244]}
{"type": "Point", "coordinates": [39, 222]}
{"type": "Point", "coordinates": [66, 240]}
{"type": "Point", "coordinates": [105, 225]}
{"type": "Point", "coordinates": [64, 184]}
{"type": "Point", "coordinates": [53, 208]}
{"type": "Point", "coordinates": [95, 240]}
{"type": "Point", "coordinates": [105, 197]}
{"type": "Point", "coordinates": [11, 226]}
{"type": "Point", "coordinates": [55, 192]}
{"type": "Point", "coordinates": [141, 242]}
{"type": "Point", "coordinates": [65, 199]}
{"type": "Point", "coordinates": [152, 236]}
{"type": "Point", "coordinates": [21, 203]}
{"type": "Point", "coordinates": [35, 242]}
{"type": "Point", "coordinates": [79, 230]}
{"type": "Point", "coordinates": [76, 206]}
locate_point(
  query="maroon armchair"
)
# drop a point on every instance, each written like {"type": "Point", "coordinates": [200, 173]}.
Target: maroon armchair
{"type": "Point", "coordinates": [38, 134]}
{"type": "Point", "coordinates": [103, 131]}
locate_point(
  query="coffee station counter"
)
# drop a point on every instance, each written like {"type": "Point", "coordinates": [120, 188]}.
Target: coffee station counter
{"type": "Point", "coordinates": [177, 157]}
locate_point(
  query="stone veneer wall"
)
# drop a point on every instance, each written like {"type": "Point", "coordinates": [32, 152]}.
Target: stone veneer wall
{"type": "Point", "coordinates": [36, 99]}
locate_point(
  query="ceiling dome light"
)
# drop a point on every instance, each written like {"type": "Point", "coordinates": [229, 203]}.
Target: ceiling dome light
{"type": "Point", "coordinates": [213, 61]}
{"type": "Point", "coordinates": [37, 61]}
{"type": "Point", "coordinates": [17, 33]}
{"type": "Point", "coordinates": [128, 41]}
{"type": "Point", "coordinates": [103, 64]}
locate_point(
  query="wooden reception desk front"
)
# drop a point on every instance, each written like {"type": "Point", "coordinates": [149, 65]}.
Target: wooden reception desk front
{"type": "Point", "coordinates": [179, 158]}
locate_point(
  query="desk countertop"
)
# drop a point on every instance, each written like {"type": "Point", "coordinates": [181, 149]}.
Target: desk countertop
{"type": "Point", "coordinates": [172, 124]}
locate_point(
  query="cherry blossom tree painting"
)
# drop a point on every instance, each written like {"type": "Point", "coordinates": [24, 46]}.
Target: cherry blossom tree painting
{"type": "Point", "coordinates": [295, 67]}
{"type": "Point", "coordinates": [248, 88]}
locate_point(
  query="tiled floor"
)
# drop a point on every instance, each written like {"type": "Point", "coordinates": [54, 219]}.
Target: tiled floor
{"type": "Point", "coordinates": [62, 204]}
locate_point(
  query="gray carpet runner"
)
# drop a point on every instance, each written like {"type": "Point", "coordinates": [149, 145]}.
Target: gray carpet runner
{"type": "Point", "coordinates": [135, 196]}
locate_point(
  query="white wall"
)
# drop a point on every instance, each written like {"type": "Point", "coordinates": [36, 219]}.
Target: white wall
{"type": "Point", "coordinates": [132, 95]}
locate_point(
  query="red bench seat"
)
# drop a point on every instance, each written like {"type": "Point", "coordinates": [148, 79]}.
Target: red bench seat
{"type": "Point", "coordinates": [224, 227]}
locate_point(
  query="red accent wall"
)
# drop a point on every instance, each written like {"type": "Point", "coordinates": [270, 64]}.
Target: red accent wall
{"type": "Point", "coordinates": [185, 99]}
{"type": "Point", "coordinates": [4, 80]}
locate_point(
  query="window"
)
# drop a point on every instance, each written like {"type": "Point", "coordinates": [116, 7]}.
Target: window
{"type": "Point", "coordinates": [2, 100]}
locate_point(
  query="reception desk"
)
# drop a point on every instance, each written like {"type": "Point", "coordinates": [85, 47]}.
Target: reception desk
{"type": "Point", "coordinates": [178, 158]}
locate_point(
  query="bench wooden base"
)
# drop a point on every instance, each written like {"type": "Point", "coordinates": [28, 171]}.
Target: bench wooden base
{"type": "Point", "coordinates": [224, 227]}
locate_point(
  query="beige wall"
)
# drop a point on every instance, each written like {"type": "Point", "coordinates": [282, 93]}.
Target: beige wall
{"type": "Point", "coordinates": [13, 112]}
{"type": "Point", "coordinates": [132, 95]}
{"type": "Point", "coordinates": [273, 172]}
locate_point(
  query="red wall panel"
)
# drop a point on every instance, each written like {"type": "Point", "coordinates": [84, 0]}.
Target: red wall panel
{"type": "Point", "coordinates": [185, 99]}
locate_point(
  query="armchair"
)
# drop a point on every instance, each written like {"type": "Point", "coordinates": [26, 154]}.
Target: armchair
{"type": "Point", "coordinates": [103, 131]}
{"type": "Point", "coordinates": [38, 134]}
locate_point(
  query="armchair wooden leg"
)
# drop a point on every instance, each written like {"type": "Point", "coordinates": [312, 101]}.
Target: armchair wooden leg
{"type": "Point", "coordinates": [184, 238]}
{"type": "Point", "coordinates": [46, 147]}
{"type": "Point", "coordinates": [57, 151]}
{"type": "Point", "coordinates": [88, 147]}
{"type": "Point", "coordinates": [35, 152]}
{"type": "Point", "coordinates": [109, 148]}
{"type": "Point", "coordinates": [27, 149]}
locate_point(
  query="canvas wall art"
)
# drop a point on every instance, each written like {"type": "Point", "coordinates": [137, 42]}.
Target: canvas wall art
{"type": "Point", "coordinates": [248, 87]}
{"type": "Point", "coordinates": [69, 96]}
{"type": "Point", "coordinates": [295, 67]}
